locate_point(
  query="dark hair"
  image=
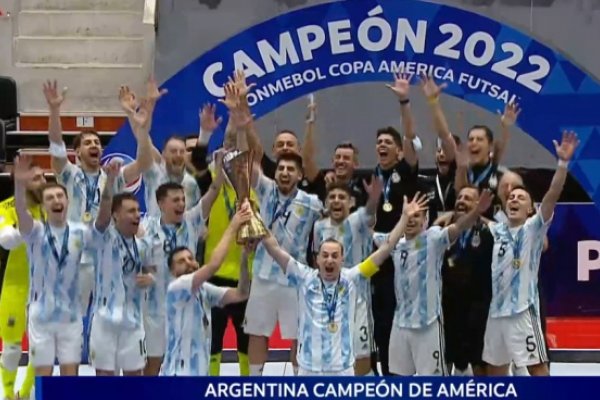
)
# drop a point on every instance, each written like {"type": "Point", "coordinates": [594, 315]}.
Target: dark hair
{"type": "Point", "coordinates": [190, 137]}
{"type": "Point", "coordinates": [456, 139]}
{"type": "Point", "coordinates": [390, 130]}
{"type": "Point", "coordinates": [119, 199]}
{"type": "Point", "coordinates": [79, 138]}
{"type": "Point", "coordinates": [51, 185]}
{"type": "Point", "coordinates": [339, 186]}
{"type": "Point", "coordinates": [526, 190]}
{"type": "Point", "coordinates": [347, 145]}
{"type": "Point", "coordinates": [173, 253]}
{"type": "Point", "coordinates": [289, 131]}
{"type": "Point", "coordinates": [331, 240]}
{"type": "Point", "coordinates": [174, 137]}
{"type": "Point", "coordinates": [488, 132]}
{"type": "Point", "coordinates": [296, 158]}
{"type": "Point", "coordinates": [164, 189]}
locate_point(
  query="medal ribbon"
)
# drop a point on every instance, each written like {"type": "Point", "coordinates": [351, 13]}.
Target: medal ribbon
{"type": "Point", "coordinates": [279, 212]}
{"type": "Point", "coordinates": [516, 242]}
{"type": "Point", "coordinates": [443, 195]}
{"type": "Point", "coordinates": [64, 250]}
{"type": "Point", "coordinates": [484, 174]}
{"type": "Point", "coordinates": [387, 184]}
{"type": "Point", "coordinates": [91, 185]}
{"type": "Point", "coordinates": [330, 301]}
{"type": "Point", "coordinates": [171, 239]}
{"type": "Point", "coordinates": [133, 258]}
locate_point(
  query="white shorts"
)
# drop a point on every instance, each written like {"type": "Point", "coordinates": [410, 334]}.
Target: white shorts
{"type": "Point", "coordinates": [517, 338]}
{"type": "Point", "coordinates": [363, 330]}
{"type": "Point", "coordinates": [113, 348]}
{"type": "Point", "coordinates": [48, 341]}
{"type": "Point", "coordinates": [155, 336]}
{"type": "Point", "coordinates": [346, 372]}
{"type": "Point", "coordinates": [270, 302]}
{"type": "Point", "coordinates": [418, 351]}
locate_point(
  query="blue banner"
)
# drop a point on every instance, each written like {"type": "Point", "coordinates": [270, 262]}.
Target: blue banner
{"type": "Point", "coordinates": [483, 61]}
{"type": "Point", "coordinates": [315, 388]}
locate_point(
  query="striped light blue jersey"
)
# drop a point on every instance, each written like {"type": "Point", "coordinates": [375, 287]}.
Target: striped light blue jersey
{"type": "Point", "coordinates": [290, 225]}
{"type": "Point", "coordinates": [54, 289]}
{"type": "Point", "coordinates": [417, 277]}
{"type": "Point", "coordinates": [158, 240]}
{"type": "Point", "coordinates": [156, 176]}
{"type": "Point", "coordinates": [514, 288]}
{"type": "Point", "coordinates": [188, 327]}
{"type": "Point", "coordinates": [118, 300]}
{"type": "Point", "coordinates": [356, 237]}
{"type": "Point", "coordinates": [74, 179]}
{"type": "Point", "coordinates": [320, 350]}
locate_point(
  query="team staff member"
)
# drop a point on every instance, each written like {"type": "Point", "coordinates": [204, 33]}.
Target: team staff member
{"type": "Point", "coordinates": [399, 180]}
{"type": "Point", "coordinates": [15, 287]}
{"type": "Point", "coordinates": [467, 289]}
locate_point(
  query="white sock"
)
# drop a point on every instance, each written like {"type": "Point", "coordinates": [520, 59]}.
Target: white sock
{"type": "Point", "coordinates": [370, 373]}
{"type": "Point", "coordinates": [256, 369]}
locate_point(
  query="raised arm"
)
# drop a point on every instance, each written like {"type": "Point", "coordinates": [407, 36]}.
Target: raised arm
{"type": "Point", "coordinates": [104, 211]}
{"type": "Point", "coordinates": [23, 173]}
{"type": "Point", "coordinates": [401, 89]}
{"type": "Point", "coordinates": [467, 221]}
{"type": "Point", "coordinates": [565, 152]}
{"type": "Point", "coordinates": [416, 205]}
{"type": "Point", "coordinates": [373, 190]}
{"type": "Point", "coordinates": [309, 147]}
{"type": "Point", "coordinates": [280, 256]}
{"type": "Point", "coordinates": [57, 146]}
{"type": "Point", "coordinates": [432, 92]}
{"type": "Point", "coordinates": [507, 119]}
{"type": "Point", "coordinates": [239, 80]}
{"type": "Point", "coordinates": [220, 252]}
{"type": "Point", "coordinates": [140, 122]}
{"type": "Point", "coordinates": [242, 291]}
{"type": "Point", "coordinates": [208, 199]}
{"type": "Point", "coordinates": [461, 179]}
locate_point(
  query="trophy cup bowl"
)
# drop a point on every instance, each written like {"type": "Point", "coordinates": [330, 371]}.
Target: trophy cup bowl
{"type": "Point", "coordinates": [237, 166]}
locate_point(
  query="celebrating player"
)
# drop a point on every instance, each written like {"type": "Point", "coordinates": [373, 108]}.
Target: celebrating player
{"type": "Point", "coordinates": [190, 298]}
{"type": "Point", "coordinates": [417, 333]}
{"type": "Point", "coordinates": [290, 214]}
{"type": "Point", "coordinates": [123, 272]}
{"type": "Point", "coordinates": [175, 228]}
{"type": "Point", "coordinates": [513, 331]}
{"type": "Point", "coordinates": [54, 249]}
{"type": "Point", "coordinates": [15, 287]}
{"type": "Point", "coordinates": [85, 181]}
{"type": "Point", "coordinates": [328, 298]}
{"type": "Point", "coordinates": [353, 231]}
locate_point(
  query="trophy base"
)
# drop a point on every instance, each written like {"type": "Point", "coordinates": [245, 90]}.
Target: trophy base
{"type": "Point", "coordinates": [252, 231]}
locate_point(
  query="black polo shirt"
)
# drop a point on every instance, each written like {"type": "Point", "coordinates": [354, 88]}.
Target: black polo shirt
{"type": "Point", "coordinates": [467, 271]}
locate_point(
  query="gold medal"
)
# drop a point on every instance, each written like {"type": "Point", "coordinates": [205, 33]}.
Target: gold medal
{"type": "Point", "coordinates": [332, 327]}
{"type": "Point", "coordinates": [516, 263]}
{"type": "Point", "coordinates": [87, 217]}
{"type": "Point", "coordinates": [387, 207]}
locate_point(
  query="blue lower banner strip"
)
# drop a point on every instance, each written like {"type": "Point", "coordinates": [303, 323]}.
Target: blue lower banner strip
{"type": "Point", "coordinates": [116, 388]}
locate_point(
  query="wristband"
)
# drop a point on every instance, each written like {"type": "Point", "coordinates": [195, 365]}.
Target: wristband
{"type": "Point", "coordinates": [58, 150]}
{"type": "Point", "coordinates": [433, 100]}
{"type": "Point", "coordinates": [404, 102]}
{"type": "Point", "coordinates": [563, 163]}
